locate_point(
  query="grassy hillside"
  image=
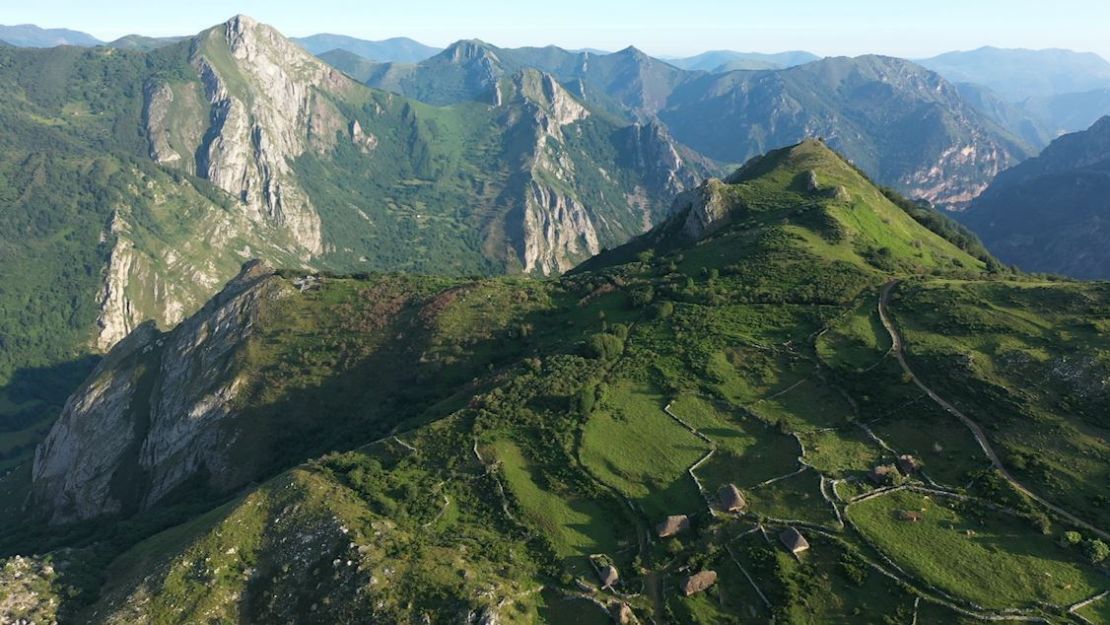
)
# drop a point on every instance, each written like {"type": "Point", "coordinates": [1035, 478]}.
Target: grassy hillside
{"type": "Point", "coordinates": [498, 441]}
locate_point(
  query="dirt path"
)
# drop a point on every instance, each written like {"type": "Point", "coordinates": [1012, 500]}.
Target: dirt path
{"type": "Point", "coordinates": [898, 347]}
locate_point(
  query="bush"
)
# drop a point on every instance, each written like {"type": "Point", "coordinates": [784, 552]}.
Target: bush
{"type": "Point", "coordinates": [604, 346]}
{"type": "Point", "coordinates": [1096, 551]}
{"type": "Point", "coordinates": [641, 297]}
{"type": "Point", "coordinates": [663, 310]}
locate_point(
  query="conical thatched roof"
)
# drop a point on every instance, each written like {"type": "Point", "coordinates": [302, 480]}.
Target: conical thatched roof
{"type": "Point", "coordinates": [731, 499]}
{"type": "Point", "coordinates": [793, 540]}
{"type": "Point", "coordinates": [698, 582]}
{"type": "Point", "coordinates": [672, 525]}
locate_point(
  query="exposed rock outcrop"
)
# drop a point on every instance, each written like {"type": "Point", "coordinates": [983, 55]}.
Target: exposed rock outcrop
{"type": "Point", "coordinates": [265, 107]}
{"type": "Point", "coordinates": [706, 209]}
{"type": "Point", "coordinates": [145, 421]}
{"type": "Point", "coordinates": [557, 227]}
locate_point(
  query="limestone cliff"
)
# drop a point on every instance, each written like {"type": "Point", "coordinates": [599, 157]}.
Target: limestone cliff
{"type": "Point", "coordinates": [148, 417]}
{"type": "Point", "coordinates": [559, 220]}
{"type": "Point", "coordinates": [256, 105]}
{"type": "Point", "coordinates": [706, 209]}
{"type": "Point", "coordinates": [259, 103]}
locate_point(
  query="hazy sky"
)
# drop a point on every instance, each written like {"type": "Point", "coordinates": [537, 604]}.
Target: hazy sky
{"type": "Point", "coordinates": [674, 27]}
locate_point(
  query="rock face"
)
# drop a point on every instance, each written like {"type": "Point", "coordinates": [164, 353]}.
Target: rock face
{"type": "Point", "coordinates": [556, 227]}
{"type": "Point", "coordinates": [29, 591]}
{"type": "Point", "coordinates": [147, 419]}
{"type": "Point", "coordinates": [256, 105]}
{"type": "Point", "coordinates": [706, 209]}
{"type": "Point", "coordinates": [265, 110]}
{"type": "Point", "coordinates": [259, 104]}
{"type": "Point", "coordinates": [1052, 213]}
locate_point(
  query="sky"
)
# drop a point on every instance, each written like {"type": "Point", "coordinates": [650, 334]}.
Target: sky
{"type": "Point", "coordinates": [912, 29]}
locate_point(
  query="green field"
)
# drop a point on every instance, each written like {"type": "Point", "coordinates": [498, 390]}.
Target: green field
{"type": "Point", "coordinates": [808, 406]}
{"type": "Point", "coordinates": [631, 444]}
{"type": "Point", "coordinates": [748, 450]}
{"type": "Point", "coordinates": [841, 452]}
{"type": "Point", "coordinates": [857, 340]}
{"type": "Point", "coordinates": [984, 556]}
{"type": "Point", "coordinates": [575, 526]}
{"type": "Point", "coordinates": [795, 498]}
{"type": "Point", "coordinates": [946, 448]}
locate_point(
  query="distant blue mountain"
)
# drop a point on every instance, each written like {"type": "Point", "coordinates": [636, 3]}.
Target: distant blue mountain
{"type": "Point", "coordinates": [728, 60]}
{"type": "Point", "coordinates": [31, 36]}
{"type": "Point", "coordinates": [1017, 74]}
{"type": "Point", "coordinates": [396, 50]}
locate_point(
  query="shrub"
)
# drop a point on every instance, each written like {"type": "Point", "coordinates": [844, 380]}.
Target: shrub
{"type": "Point", "coordinates": [604, 346]}
{"type": "Point", "coordinates": [1096, 551]}
{"type": "Point", "coordinates": [663, 310]}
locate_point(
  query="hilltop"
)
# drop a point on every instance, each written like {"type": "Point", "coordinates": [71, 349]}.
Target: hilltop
{"type": "Point", "coordinates": [384, 446]}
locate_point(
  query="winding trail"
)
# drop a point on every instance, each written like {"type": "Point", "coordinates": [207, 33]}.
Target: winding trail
{"type": "Point", "coordinates": [898, 347]}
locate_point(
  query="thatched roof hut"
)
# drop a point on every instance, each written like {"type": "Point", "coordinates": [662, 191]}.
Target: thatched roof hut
{"type": "Point", "coordinates": [883, 475]}
{"type": "Point", "coordinates": [698, 582]}
{"type": "Point", "coordinates": [732, 500]}
{"type": "Point", "coordinates": [908, 464]}
{"type": "Point", "coordinates": [793, 540]}
{"type": "Point", "coordinates": [608, 575]}
{"type": "Point", "coordinates": [673, 525]}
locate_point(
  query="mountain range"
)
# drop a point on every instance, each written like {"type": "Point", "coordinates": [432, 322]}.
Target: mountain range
{"type": "Point", "coordinates": [1019, 74]}
{"type": "Point", "coordinates": [1051, 213]}
{"type": "Point", "coordinates": [869, 107]}
{"type": "Point", "coordinates": [29, 35]}
{"type": "Point", "coordinates": [397, 49]}
{"type": "Point", "coordinates": [796, 398]}
{"type": "Point", "coordinates": [135, 180]}
{"type": "Point", "coordinates": [133, 183]}
{"type": "Point", "coordinates": [542, 336]}
{"type": "Point", "coordinates": [1053, 91]}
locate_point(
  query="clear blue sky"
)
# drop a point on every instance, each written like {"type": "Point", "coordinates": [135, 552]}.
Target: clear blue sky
{"type": "Point", "coordinates": [675, 27]}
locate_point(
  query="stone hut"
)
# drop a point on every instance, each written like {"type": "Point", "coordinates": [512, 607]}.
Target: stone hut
{"type": "Point", "coordinates": [673, 525]}
{"type": "Point", "coordinates": [698, 582]}
{"type": "Point", "coordinates": [731, 499]}
{"type": "Point", "coordinates": [793, 540]}
{"type": "Point", "coordinates": [910, 516]}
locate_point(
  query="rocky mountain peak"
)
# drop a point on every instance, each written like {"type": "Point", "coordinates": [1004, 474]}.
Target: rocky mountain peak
{"type": "Point", "coordinates": [544, 92]}
{"type": "Point", "coordinates": [469, 50]}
